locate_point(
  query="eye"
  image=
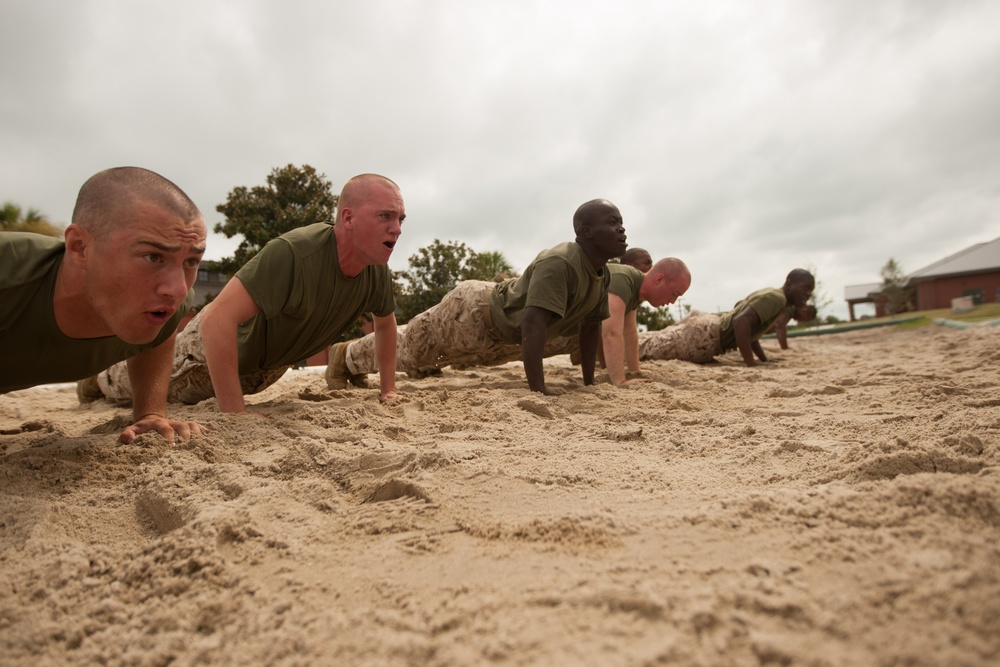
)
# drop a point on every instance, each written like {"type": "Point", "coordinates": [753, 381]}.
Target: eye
{"type": "Point", "coordinates": [153, 257]}
{"type": "Point", "coordinates": [192, 262]}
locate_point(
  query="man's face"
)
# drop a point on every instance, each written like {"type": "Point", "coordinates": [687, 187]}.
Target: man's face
{"type": "Point", "coordinates": [666, 290]}
{"type": "Point", "coordinates": [799, 292]}
{"type": "Point", "coordinates": [377, 222]}
{"type": "Point", "coordinates": [138, 276]}
{"type": "Point", "coordinates": [608, 232]}
{"type": "Point", "coordinates": [642, 262]}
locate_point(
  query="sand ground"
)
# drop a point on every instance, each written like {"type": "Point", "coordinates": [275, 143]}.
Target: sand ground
{"type": "Point", "coordinates": [840, 506]}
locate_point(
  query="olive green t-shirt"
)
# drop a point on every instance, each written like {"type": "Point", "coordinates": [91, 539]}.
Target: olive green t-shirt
{"type": "Point", "coordinates": [34, 350]}
{"type": "Point", "coordinates": [625, 284]}
{"type": "Point", "coordinates": [305, 299]}
{"type": "Point", "coordinates": [561, 280]}
{"type": "Point", "coordinates": [768, 303]}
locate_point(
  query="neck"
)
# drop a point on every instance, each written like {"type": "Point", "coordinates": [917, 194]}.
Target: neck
{"type": "Point", "coordinates": [597, 259]}
{"type": "Point", "coordinates": [72, 310]}
{"type": "Point", "coordinates": [351, 264]}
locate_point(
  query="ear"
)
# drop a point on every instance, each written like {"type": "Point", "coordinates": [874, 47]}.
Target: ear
{"type": "Point", "coordinates": [345, 217]}
{"type": "Point", "coordinates": [78, 244]}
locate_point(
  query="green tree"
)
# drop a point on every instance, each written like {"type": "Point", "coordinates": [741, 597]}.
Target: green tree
{"type": "Point", "coordinates": [488, 265]}
{"type": "Point", "coordinates": [293, 197]}
{"type": "Point", "coordinates": [14, 219]}
{"type": "Point", "coordinates": [898, 297]}
{"type": "Point", "coordinates": [654, 319]}
{"type": "Point", "coordinates": [436, 269]}
{"type": "Point", "coordinates": [820, 299]}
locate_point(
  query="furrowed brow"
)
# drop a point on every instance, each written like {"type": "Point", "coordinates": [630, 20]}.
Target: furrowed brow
{"type": "Point", "coordinates": [171, 248]}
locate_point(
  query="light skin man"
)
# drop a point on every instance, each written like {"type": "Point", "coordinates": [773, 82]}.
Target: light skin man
{"type": "Point", "coordinates": [369, 218]}
{"type": "Point", "coordinates": [121, 282]}
{"type": "Point", "coordinates": [662, 285]}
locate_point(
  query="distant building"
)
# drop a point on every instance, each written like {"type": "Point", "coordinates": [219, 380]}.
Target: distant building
{"type": "Point", "coordinates": [973, 272]}
{"type": "Point", "coordinates": [867, 293]}
{"type": "Point", "coordinates": [209, 283]}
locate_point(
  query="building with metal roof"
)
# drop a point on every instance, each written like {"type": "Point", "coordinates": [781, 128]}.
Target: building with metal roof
{"type": "Point", "coordinates": [972, 272]}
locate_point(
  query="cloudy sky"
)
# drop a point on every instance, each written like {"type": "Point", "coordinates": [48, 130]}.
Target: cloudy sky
{"type": "Point", "coordinates": [747, 138]}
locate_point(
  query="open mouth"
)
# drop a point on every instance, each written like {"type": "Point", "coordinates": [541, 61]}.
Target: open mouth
{"type": "Point", "coordinates": [390, 244]}
{"type": "Point", "coordinates": [159, 316]}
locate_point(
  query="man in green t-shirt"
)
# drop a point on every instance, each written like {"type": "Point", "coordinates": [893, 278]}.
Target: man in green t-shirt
{"type": "Point", "coordinates": [667, 280]}
{"type": "Point", "coordinates": [563, 290]}
{"type": "Point", "coordinates": [114, 289]}
{"type": "Point", "coordinates": [300, 293]}
{"type": "Point", "coordinates": [661, 284]}
{"type": "Point", "coordinates": [701, 336]}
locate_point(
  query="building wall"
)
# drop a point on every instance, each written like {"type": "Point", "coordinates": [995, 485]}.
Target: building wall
{"type": "Point", "coordinates": [939, 293]}
{"type": "Point", "coordinates": [208, 283]}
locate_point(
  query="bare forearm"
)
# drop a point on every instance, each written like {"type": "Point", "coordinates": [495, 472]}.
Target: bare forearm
{"type": "Point", "coordinates": [631, 338]}
{"type": "Point", "coordinates": [149, 375]}
{"type": "Point", "coordinates": [743, 343]}
{"type": "Point", "coordinates": [532, 352]}
{"type": "Point", "coordinates": [781, 333]}
{"type": "Point", "coordinates": [222, 357]}
{"type": "Point", "coordinates": [385, 354]}
{"type": "Point", "coordinates": [590, 339]}
{"type": "Point", "coordinates": [614, 356]}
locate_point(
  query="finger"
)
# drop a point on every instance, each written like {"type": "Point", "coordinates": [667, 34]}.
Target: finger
{"type": "Point", "coordinates": [196, 428]}
{"type": "Point", "coordinates": [182, 430]}
{"type": "Point", "coordinates": [127, 436]}
{"type": "Point", "coordinates": [168, 433]}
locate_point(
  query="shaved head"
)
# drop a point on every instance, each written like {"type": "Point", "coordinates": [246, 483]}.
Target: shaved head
{"type": "Point", "coordinates": [108, 199]}
{"type": "Point", "coordinates": [800, 276]}
{"type": "Point", "coordinates": [357, 188]}
{"type": "Point", "coordinates": [672, 268]}
{"type": "Point", "coordinates": [637, 258]}
{"type": "Point", "coordinates": [590, 212]}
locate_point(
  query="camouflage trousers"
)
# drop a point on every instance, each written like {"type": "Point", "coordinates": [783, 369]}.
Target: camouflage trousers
{"type": "Point", "coordinates": [456, 331]}
{"type": "Point", "coordinates": [190, 381]}
{"type": "Point", "coordinates": [695, 338]}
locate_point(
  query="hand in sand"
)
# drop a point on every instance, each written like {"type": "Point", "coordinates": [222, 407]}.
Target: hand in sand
{"type": "Point", "coordinates": [168, 428]}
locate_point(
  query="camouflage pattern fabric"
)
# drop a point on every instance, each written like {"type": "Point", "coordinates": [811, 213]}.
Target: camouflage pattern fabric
{"type": "Point", "coordinates": [695, 338]}
{"type": "Point", "coordinates": [455, 331]}
{"type": "Point", "coordinates": [190, 381]}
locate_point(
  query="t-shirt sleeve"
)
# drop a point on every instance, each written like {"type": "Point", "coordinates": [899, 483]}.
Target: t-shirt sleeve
{"type": "Point", "coordinates": [269, 277]}
{"type": "Point", "coordinates": [769, 306]}
{"type": "Point", "coordinates": [549, 288]}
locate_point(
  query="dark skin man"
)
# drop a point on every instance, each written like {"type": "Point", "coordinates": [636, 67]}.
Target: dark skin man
{"type": "Point", "coordinates": [600, 231]}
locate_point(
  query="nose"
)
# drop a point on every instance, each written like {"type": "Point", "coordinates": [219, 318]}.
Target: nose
{"type": "Point", "coordinates": [174, 283]}
{"type": "Point", "coordinates": [395, 228]}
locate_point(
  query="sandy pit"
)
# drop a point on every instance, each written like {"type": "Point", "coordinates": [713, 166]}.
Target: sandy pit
{"type": "Point", "coordinates": [839, 506]}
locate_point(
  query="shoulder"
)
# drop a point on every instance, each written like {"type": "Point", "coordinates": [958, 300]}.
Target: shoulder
{"type": "Point", "coordinates": [309, 239]}
{"type": "Point", "coordinates": [625, 271]}
{"type": "Point", "coordinates": [27, 257]}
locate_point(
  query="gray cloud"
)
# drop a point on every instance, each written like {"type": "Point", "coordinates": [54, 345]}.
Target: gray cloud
{"type": "Point", "coordinates": [745, 138]}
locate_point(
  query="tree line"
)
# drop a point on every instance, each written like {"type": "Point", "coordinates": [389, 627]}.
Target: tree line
{"type": "Point", "coordinates": [296, 196]}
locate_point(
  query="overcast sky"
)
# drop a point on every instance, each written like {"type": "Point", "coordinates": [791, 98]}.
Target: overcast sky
{"type": "Point", "coordinates": [746, 138]}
